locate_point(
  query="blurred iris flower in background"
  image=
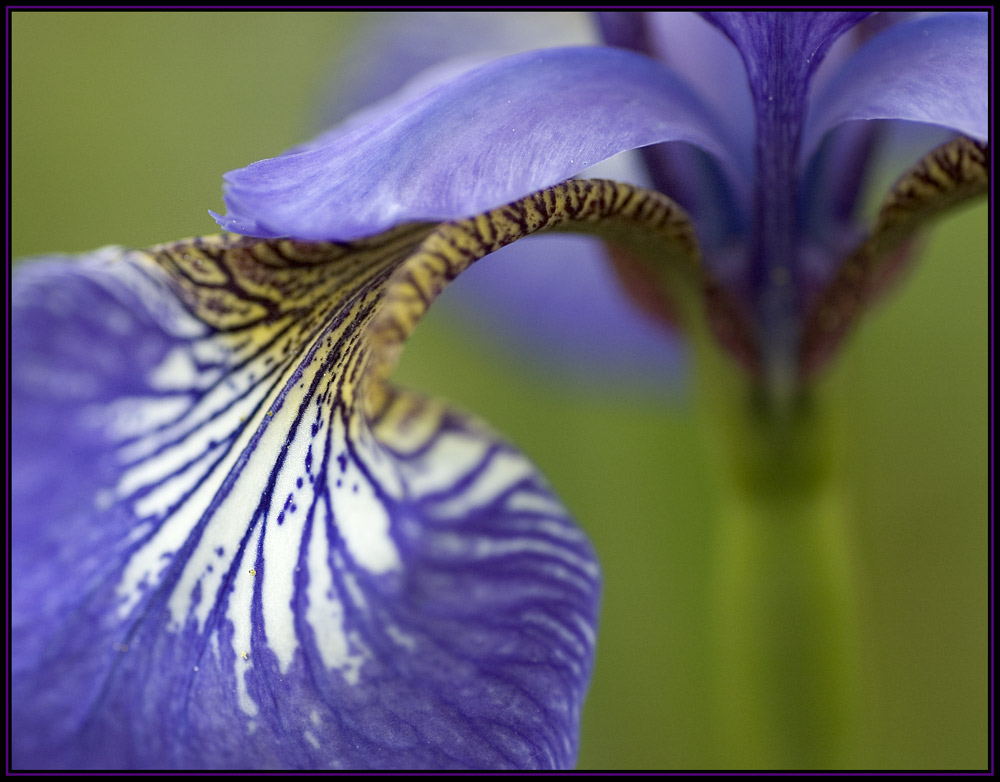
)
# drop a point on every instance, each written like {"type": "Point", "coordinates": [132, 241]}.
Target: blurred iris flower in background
{"type": "Point", "coordinates": [267, 556]}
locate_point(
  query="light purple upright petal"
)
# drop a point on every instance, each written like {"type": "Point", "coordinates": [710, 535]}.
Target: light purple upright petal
{"type": "Point", "coordinates": [933, 70]}
{"type": "Point", "coordinates": [781, 52]}
{"type": "Point", "coordinates": [480, 141]}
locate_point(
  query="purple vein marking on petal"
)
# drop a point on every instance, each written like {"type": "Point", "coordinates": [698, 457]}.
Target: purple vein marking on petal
{"type": "Point", "coordinates": [231, 655]}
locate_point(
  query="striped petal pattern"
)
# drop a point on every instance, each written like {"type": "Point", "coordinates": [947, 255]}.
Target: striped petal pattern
{"type": "Point", "coordinates": [948, 176]}
{"type": "Point", "coordinates": [255, 552]}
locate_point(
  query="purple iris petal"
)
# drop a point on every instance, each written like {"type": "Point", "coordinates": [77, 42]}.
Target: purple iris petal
{"type": "Point", "coordinates": [552, 302]}
{"type": "Point", "coordinates": [930, 70]}
{"type": "Point", "coordinates": [485, 139]}
{"type": "Point", "coordinates": [933, 70]}
{"type": "Point", "coordinates": [216, 566]}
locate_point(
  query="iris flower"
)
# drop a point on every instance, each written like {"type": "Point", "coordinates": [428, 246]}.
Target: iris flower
{"type": "Point", "coordinates": [257, 552]}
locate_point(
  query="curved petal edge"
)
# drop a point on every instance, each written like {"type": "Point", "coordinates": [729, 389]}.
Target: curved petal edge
{"type": "Point", "coordinates": [933, 70]}
{"type": "Point", "coordinates": [491, 136]}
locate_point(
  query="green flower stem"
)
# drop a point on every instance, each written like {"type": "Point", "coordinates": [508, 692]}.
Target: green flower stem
{"type": "Point", "coordinates": [783, 608]}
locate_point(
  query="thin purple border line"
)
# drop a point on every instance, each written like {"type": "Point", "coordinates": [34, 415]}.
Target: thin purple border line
{"type": "Point", "coordinates": [991, 486]}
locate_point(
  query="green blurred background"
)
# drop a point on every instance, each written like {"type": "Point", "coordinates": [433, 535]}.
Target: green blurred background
{"type": "Point", "coordinates": [122, 125]}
